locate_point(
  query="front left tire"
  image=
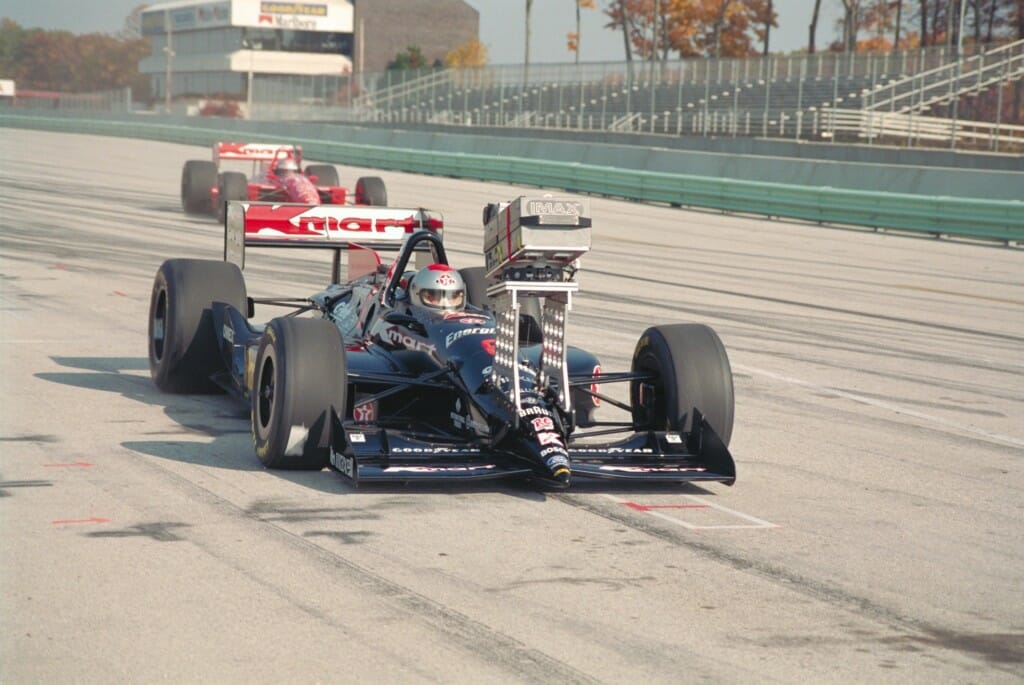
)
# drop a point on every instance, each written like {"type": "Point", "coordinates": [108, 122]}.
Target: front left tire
{"type": "Point", "coordinates": [300, 377]}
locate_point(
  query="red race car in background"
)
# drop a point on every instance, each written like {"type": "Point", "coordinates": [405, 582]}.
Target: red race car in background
{"type": "Point", "coordinates": [277, 176]}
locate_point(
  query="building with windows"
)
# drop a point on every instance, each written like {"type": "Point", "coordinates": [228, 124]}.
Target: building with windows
{"type": "Point", "coordinates": [297, 51]}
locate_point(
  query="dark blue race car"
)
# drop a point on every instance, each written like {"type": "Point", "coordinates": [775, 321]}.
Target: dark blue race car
{"type": "Point", "coordinates": [414, 370]}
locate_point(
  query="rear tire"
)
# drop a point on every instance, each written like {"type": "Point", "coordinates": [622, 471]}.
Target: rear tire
{"type": "Point", "coordinates": [184, 348]}
{"type": "Point", "coordinates": [197, 181]}
{"type": "Point", "coordinates": [326, 174]}
{"type": "Point", "coordinates": [234, 187]}
{"type": "Point", "coordinates": [691, 371]}
{"type": "Point", "coordinates": [300, 375]}
{"type": "Point", "coordinates": [370, 190]}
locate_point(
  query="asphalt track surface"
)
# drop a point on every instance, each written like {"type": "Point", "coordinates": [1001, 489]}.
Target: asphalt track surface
{"type": "Point", "coordinates": [874, 534]}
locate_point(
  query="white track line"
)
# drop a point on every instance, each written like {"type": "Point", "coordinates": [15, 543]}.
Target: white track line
{"type": "Point", "coordinates": [882, 404]}
{"type": "Point", "coordinates": [754, 521]}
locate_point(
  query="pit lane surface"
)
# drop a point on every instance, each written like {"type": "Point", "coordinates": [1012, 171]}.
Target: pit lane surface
{"type": "Point", "coordinates": [874, 533]}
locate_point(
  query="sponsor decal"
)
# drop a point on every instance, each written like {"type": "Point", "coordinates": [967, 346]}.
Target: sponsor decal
{"type": "Point", "coordinates": [437, 469]}
{"type": "Point", "coordinates": [336, 222]}
{"type": "Point", "coordinates": [399, 337]}
{"type": "Point", "coordinates": [673, 439]}
{"type": "Point", "coordinates": [489, 346]}
{"type": "Point", "coordinates": [550, 439]}
{"type": "Point", "coordinates": [543, 423]}
{"type": "Point", "coordinates": [554, 207]}
{"type": "Point", "coordinates": [594, 387]}
{"type": "Point", "coordinates": [229, 333]}
{"type": "Point", "coordinates": [308, 10]}
{"type": "Point", "coordinates": [460, 421]}
{"type": "Point", "coordinates": [471, 319]}
{"type": "Point", "coordinates": [534, 411]}
{"type": "Point", "coordinates": [458, 335]}
{"type": "Point", "coordinates": [553, 450]}
{"type": "Point", "coordinates": [365, 412]}
{"type": "Point", "coordinates": [345, 464]}
{"type": "Point", "coordinates": [356, 437]}
{"type": "Point", "coordinates": [652, 469]}
{"type": "Point", "coordinates": [435, 450]}
{"type": "Point", "coordinates": [445, 279]}
{"type": "Point", "coordinates": [613, 450]}
{"type": "Point", "coordinates": [560, 460]}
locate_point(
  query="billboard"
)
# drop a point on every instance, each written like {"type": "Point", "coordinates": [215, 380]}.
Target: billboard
{"type": "Point", "coordinates": [311, 15]}
{"type": "Point", "coordinates": [205, 15]}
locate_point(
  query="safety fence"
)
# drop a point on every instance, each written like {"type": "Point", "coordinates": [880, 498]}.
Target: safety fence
{"type": "Point", "coordinates": [940, 216]}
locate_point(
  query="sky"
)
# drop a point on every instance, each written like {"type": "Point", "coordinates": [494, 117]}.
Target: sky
{"type": "Point", "coordinates": [502, 25]}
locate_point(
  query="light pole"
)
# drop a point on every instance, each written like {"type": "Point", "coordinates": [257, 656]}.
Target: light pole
{"type": "Point", "coordinates": [959, 66]}
{"type": "Point", "coordinates": [169, 55]}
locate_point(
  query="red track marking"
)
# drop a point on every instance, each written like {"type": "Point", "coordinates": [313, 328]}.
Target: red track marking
{"type": "Point", "coordinates": [74, 463]}
{"type": "Point", "coordinates": [94, 519]}
{"type": "Point", "coordinates": [648, 507]}
{"type": "Point", "coordinates": [120, 294]}
{"type": "Point", "coordinates": [60, 266]}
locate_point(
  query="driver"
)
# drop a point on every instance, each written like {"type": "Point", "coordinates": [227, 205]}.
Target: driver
{"type": "Point", "coordinates": [438, 286]}
{"type": "Point", "coordinates": [286, 166]}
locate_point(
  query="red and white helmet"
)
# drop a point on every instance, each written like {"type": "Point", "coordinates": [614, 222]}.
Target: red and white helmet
{"type": "Point", "coordinates": [438, 286]}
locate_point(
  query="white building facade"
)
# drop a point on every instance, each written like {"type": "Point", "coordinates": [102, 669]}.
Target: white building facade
{"type": "Point", "coordinates": [221, 49]}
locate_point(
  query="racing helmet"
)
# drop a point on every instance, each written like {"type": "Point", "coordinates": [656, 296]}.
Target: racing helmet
{"type": "Point", "coordinates": [438, 286]}
{"type": "Point", "coordinates": [286, 166]}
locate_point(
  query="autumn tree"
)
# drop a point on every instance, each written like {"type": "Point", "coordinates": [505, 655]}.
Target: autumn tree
{"type": "Point", "coordinates": [691, 28]}
{"type": "Point", "coordinates": [472, 53]}
{"type": "Point", "coordinates": [574, 39]}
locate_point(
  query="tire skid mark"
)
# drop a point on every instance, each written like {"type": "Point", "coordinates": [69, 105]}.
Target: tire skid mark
{"type": "Point", "coordinates": [491, 646]}
{"type": "Point", "coordinates": [1001, 656]}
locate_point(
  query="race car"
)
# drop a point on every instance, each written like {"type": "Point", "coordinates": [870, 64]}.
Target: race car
{"type": "Point", "coordinates": [413, 370]}
{"type": "Point", "coordinates": [276, 175]}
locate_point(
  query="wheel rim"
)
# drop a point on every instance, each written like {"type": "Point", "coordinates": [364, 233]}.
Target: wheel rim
{"type": "Point", "coordinates": [159, 326]}
{"type": "Point", "coordinates": [650, 394]}
{"type": "Point", "coordinates": [265, 395]}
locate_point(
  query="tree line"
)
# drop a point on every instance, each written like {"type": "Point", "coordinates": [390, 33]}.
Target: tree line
{"type": "Point", "coordinates": [657, 29]}
{"type": "Point", "coordinates": [61, 61]}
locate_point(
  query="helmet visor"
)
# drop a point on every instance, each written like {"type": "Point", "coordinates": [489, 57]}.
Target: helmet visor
{"type": "Point", "coordinates": [443, 299]}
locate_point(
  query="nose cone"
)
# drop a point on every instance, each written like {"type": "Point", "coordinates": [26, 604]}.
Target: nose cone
{"type": "Point", "coordinates": [561, 476]}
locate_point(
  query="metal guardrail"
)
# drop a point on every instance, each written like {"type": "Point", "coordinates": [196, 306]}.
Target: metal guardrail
{"type": "Point", "coordinates": [941, 216]}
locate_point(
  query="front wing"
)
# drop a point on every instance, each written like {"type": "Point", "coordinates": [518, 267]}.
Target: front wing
{"type": "Point", "coordinates": [372, 454]}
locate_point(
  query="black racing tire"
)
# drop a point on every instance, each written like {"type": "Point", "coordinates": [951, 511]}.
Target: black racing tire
{"type": "Point", "coordinates": [184, 348]}
{"type": "Point", "coordinates": [197, 181]}
{"type": "Point", "coordinates": [234, 187]}
{"type": "Point", "coordinates": [301, 373]}
{"type": "Point", "coordinates": [326, 174]}
{"type": "Point", "coordinates": [475, 278]}
{"type": "Point", "coordinates": [370, 190]}
{"type": "Point", "coordinates": [691, 370]}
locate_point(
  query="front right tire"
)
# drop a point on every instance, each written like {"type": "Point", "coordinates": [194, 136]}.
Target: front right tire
{"type": "Point", "coordinates": [689, 370]}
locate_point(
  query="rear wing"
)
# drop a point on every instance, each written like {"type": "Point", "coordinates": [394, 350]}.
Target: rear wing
{"type": "Point", "coordinates": [334, 227]}
{"type": "Point", "coordinates": [256, 152]}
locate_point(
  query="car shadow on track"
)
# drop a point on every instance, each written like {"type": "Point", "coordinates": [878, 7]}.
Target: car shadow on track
{"type": "Point", "coordinates": [226, 423]}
